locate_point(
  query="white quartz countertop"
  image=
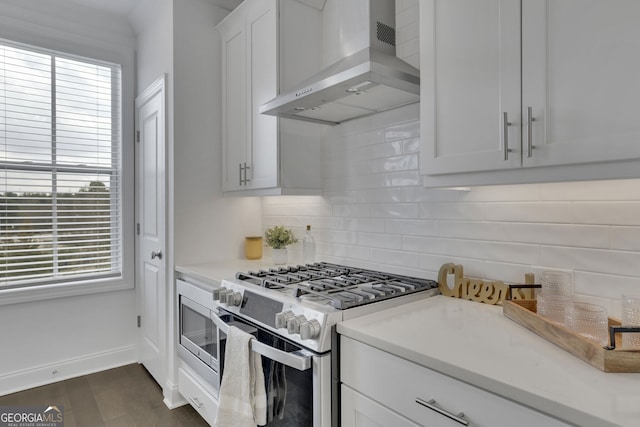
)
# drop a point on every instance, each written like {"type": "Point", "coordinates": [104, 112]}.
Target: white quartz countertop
{"type": "Point", "coordinates": [477, 344]}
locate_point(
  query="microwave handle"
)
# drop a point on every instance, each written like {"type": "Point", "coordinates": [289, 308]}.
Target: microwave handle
{"type": "Point", "coordinates": [300, 359]}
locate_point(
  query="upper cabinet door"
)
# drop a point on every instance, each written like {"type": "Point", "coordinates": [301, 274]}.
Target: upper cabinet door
{"type": "Point", "coordinates": [470, 85]}
{"type": "Point", "coordinates": [581, 80]}
{"type": "Point", "coordinates": [262, 57]}
{"type": "Point", "coordinates": [236, 152]}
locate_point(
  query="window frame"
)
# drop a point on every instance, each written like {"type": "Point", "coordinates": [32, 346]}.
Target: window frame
{"type": "Point", "coordinates": [120, 51]}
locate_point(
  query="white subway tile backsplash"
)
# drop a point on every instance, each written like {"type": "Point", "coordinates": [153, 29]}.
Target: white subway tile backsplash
{"type": "Point", "coordinates": [592, 260]}
{"type": "Point", "coordinates": [395, 163]}
{"type": "Point", "coordinates": [625, 238]}
{"type": "Point", "coordinates": [395, 210]}
{"type": "Point", "coordinates": [501, 252]}
{"type": "Point", "coordinates": [411, 227]}
{"type": "Point", "coordinates": [380, 240]}
{"type": "Point", "coordinates": [562, 235]}
{"type": "Point", "coordinates": [473, 230]}
{"type": "Point", "coordinates": [614, 213]}
{"type": "Point", "coordinates": [376, 214]}
{"type": "Point", "coordinates": [352, 210]}
{"type": "Point", "coordinates": [548, 212]}
{"type": "Point", "coordinates": [622, 190]}
{"type": "Point", "coordinates": [399, 258]}
{"type": "Point", "coordinates": [364, 224]}
{"type": "Point", "coordinates": [431, 245]}
{"type": "Point", "coordinates": [452, 211]}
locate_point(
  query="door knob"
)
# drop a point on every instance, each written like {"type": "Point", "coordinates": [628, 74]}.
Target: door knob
{"type": "Point", "coordinates": [155, 255]}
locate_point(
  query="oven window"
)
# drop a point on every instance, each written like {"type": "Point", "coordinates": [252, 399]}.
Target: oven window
{"type": "Point", "coordinates": [200, 330]}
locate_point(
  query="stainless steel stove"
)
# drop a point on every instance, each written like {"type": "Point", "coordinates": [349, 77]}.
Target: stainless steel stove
{"type": "Point", "coordinates": [301, 303]}
{"type": "Point", "coordinates": [291, 312]}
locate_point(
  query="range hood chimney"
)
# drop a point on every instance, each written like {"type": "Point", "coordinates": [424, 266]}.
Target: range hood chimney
{"type": "Point", "coordinates": [368, 80]}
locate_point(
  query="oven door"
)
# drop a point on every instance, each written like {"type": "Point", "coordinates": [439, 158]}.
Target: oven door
{"type": "Point", "coordinates": [298, 381]}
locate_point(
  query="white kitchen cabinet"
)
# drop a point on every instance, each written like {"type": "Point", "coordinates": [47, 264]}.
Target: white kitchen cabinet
{"type": "Point", "coordinates": [267, 46]}
{"type": "Point", "coordinates": [389, 386]}
{"type": "Point", "coordinates": [360, 411]}
{"type": "Point", "coordinates": [547, 92]}
{"type": "Point", "coordinates": [197, 394]}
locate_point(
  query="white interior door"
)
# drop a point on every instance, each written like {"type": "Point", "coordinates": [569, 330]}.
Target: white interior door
{"type": "Point", "coordinates": [151, 229]}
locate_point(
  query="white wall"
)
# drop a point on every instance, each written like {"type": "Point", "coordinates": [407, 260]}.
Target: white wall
{"type": "Point", "coordinates": [53, 339]}
{"type": "Point", "coordinates": [207, 226]}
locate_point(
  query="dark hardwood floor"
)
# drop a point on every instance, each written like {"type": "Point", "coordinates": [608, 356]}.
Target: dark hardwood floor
{"type": "Point", "coordinates": [121, 397]}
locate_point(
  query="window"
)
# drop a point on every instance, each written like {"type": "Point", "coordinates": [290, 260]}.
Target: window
{"type": "Point", "coordinates": [60, 168]}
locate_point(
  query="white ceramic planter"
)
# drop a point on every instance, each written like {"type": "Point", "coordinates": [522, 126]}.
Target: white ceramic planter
{"type": "Point", "coordinates": [279, 256]}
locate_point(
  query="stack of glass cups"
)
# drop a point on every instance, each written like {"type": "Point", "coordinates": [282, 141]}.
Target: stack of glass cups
{"type": "Point", "coordinates": [588, 320]}
{"type": "Point", "coordinates": [555, 295]}
{"type": "Point", "coordinates": [631, 317]}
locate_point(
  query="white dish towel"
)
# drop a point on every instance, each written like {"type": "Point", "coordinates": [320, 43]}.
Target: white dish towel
{"type": "Point", "coordinates": [242, 401]}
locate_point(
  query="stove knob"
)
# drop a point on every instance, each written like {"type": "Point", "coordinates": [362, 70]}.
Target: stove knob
{"type": "Point", "coordinates": [224, 293]}
{"type": "Point", "coordinates": [310, 330]}
{"type": "Point", "coordinates": [293, 324]}
{"type": "Point", "coordinates": [216, 293]}
{"type": "Point", "coordinates": [282, 318]}
{"type": "Point", "coordinates": [234, 298]}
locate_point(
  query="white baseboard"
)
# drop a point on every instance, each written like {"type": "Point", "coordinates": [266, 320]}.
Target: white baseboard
{"type": "Point", "coordinates": [47, 374]}
{"type": "Point", "coordinates": [172, 397]}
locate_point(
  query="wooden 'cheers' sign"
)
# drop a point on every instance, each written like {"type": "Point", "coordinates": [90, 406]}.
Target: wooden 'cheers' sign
{"type": "Point", "coordinates": [477, 289]}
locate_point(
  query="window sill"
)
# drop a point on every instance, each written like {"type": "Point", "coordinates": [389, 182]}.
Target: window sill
{"type": "Point", "coordinates": [62, 290]}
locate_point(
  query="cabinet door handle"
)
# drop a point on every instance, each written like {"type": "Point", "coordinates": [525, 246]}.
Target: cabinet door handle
{"type": "Point", "coordinates": [530, 120]}
{"type": "Point", "coordinates": [240, 173]}
{"type": "Point", "coordinates": [196, 402]}
{"type": "Point", "coordinates": [505, 131]}
{"type": "Point", "coordinates": [245, 173]}
{"type": "Point", "coordinates": [431, 404]}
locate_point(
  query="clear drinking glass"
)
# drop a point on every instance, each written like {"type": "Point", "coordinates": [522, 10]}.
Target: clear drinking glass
{"type": "Point", "coordinates": [556, 282]}
{"type": "Point", "coordinates": [552, 306]}
{"type": "Point", "coordinates": [631, 317]}
{"type": "Point", "coordinates": [588, 320]}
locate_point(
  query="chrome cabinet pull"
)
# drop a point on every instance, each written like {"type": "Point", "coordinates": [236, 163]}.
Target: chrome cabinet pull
{"type": "Point", "coordinates": [196, 402]}
{"type": "Point", "coordinates": [530, 120]}
{"type": "Point", "coordinates": [431, 404]}
{"type": "Point", "coordinates": [505, 130]}
{"type": "Point", "coordinates": [245, 173]}
{"type": "Point", "coordinates": [242, 172]}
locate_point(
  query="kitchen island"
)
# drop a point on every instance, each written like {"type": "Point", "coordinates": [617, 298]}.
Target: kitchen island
{"type": "Point", "coordinates": [476, 344]}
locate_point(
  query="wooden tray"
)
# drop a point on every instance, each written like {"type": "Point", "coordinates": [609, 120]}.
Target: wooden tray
{"type": "Point", "coordinates": [608, 360]}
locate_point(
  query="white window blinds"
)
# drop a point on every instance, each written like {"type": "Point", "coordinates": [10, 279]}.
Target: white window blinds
{"type": "Point", "coordinates": [60, 175]}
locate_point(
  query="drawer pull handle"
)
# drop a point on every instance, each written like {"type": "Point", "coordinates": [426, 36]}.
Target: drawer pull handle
{"type": "Point", "coordinates": [196, 402]}
{"type": "Point", "coordinates": [431, 404]}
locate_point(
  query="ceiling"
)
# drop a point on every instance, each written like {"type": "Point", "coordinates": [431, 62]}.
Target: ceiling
{"type": "Point", "coordinates": [123, 7]}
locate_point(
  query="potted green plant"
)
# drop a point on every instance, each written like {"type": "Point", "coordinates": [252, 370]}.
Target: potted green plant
{"type": "Point", "coordinates": [278, 238]}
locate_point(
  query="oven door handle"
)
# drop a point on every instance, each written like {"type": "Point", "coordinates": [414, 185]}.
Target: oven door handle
{"type": "Point", "coordinates": [299, 359]}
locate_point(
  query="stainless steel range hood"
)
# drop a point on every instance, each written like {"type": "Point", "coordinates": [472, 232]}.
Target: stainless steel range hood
{"type": "Point", "coordinates": [366, 82]}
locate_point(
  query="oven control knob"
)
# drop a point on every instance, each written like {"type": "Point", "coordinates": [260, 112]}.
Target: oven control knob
{"type": "Point", "coordinates": [216, 293]}
{"type": "Point", "coordinates": [282, 318]}
{"type": "Point", "coordinates": [293, 324]}
{"type": "Point", "coordinates": [234, 298]}
{"type": "Point", "coordinates": [223, 294]}
{"type": "Point", "coordinates": [310, 330]}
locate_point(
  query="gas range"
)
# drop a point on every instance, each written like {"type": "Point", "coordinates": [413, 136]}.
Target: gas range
{"type": "Point", "coordinates": [302, 303]}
